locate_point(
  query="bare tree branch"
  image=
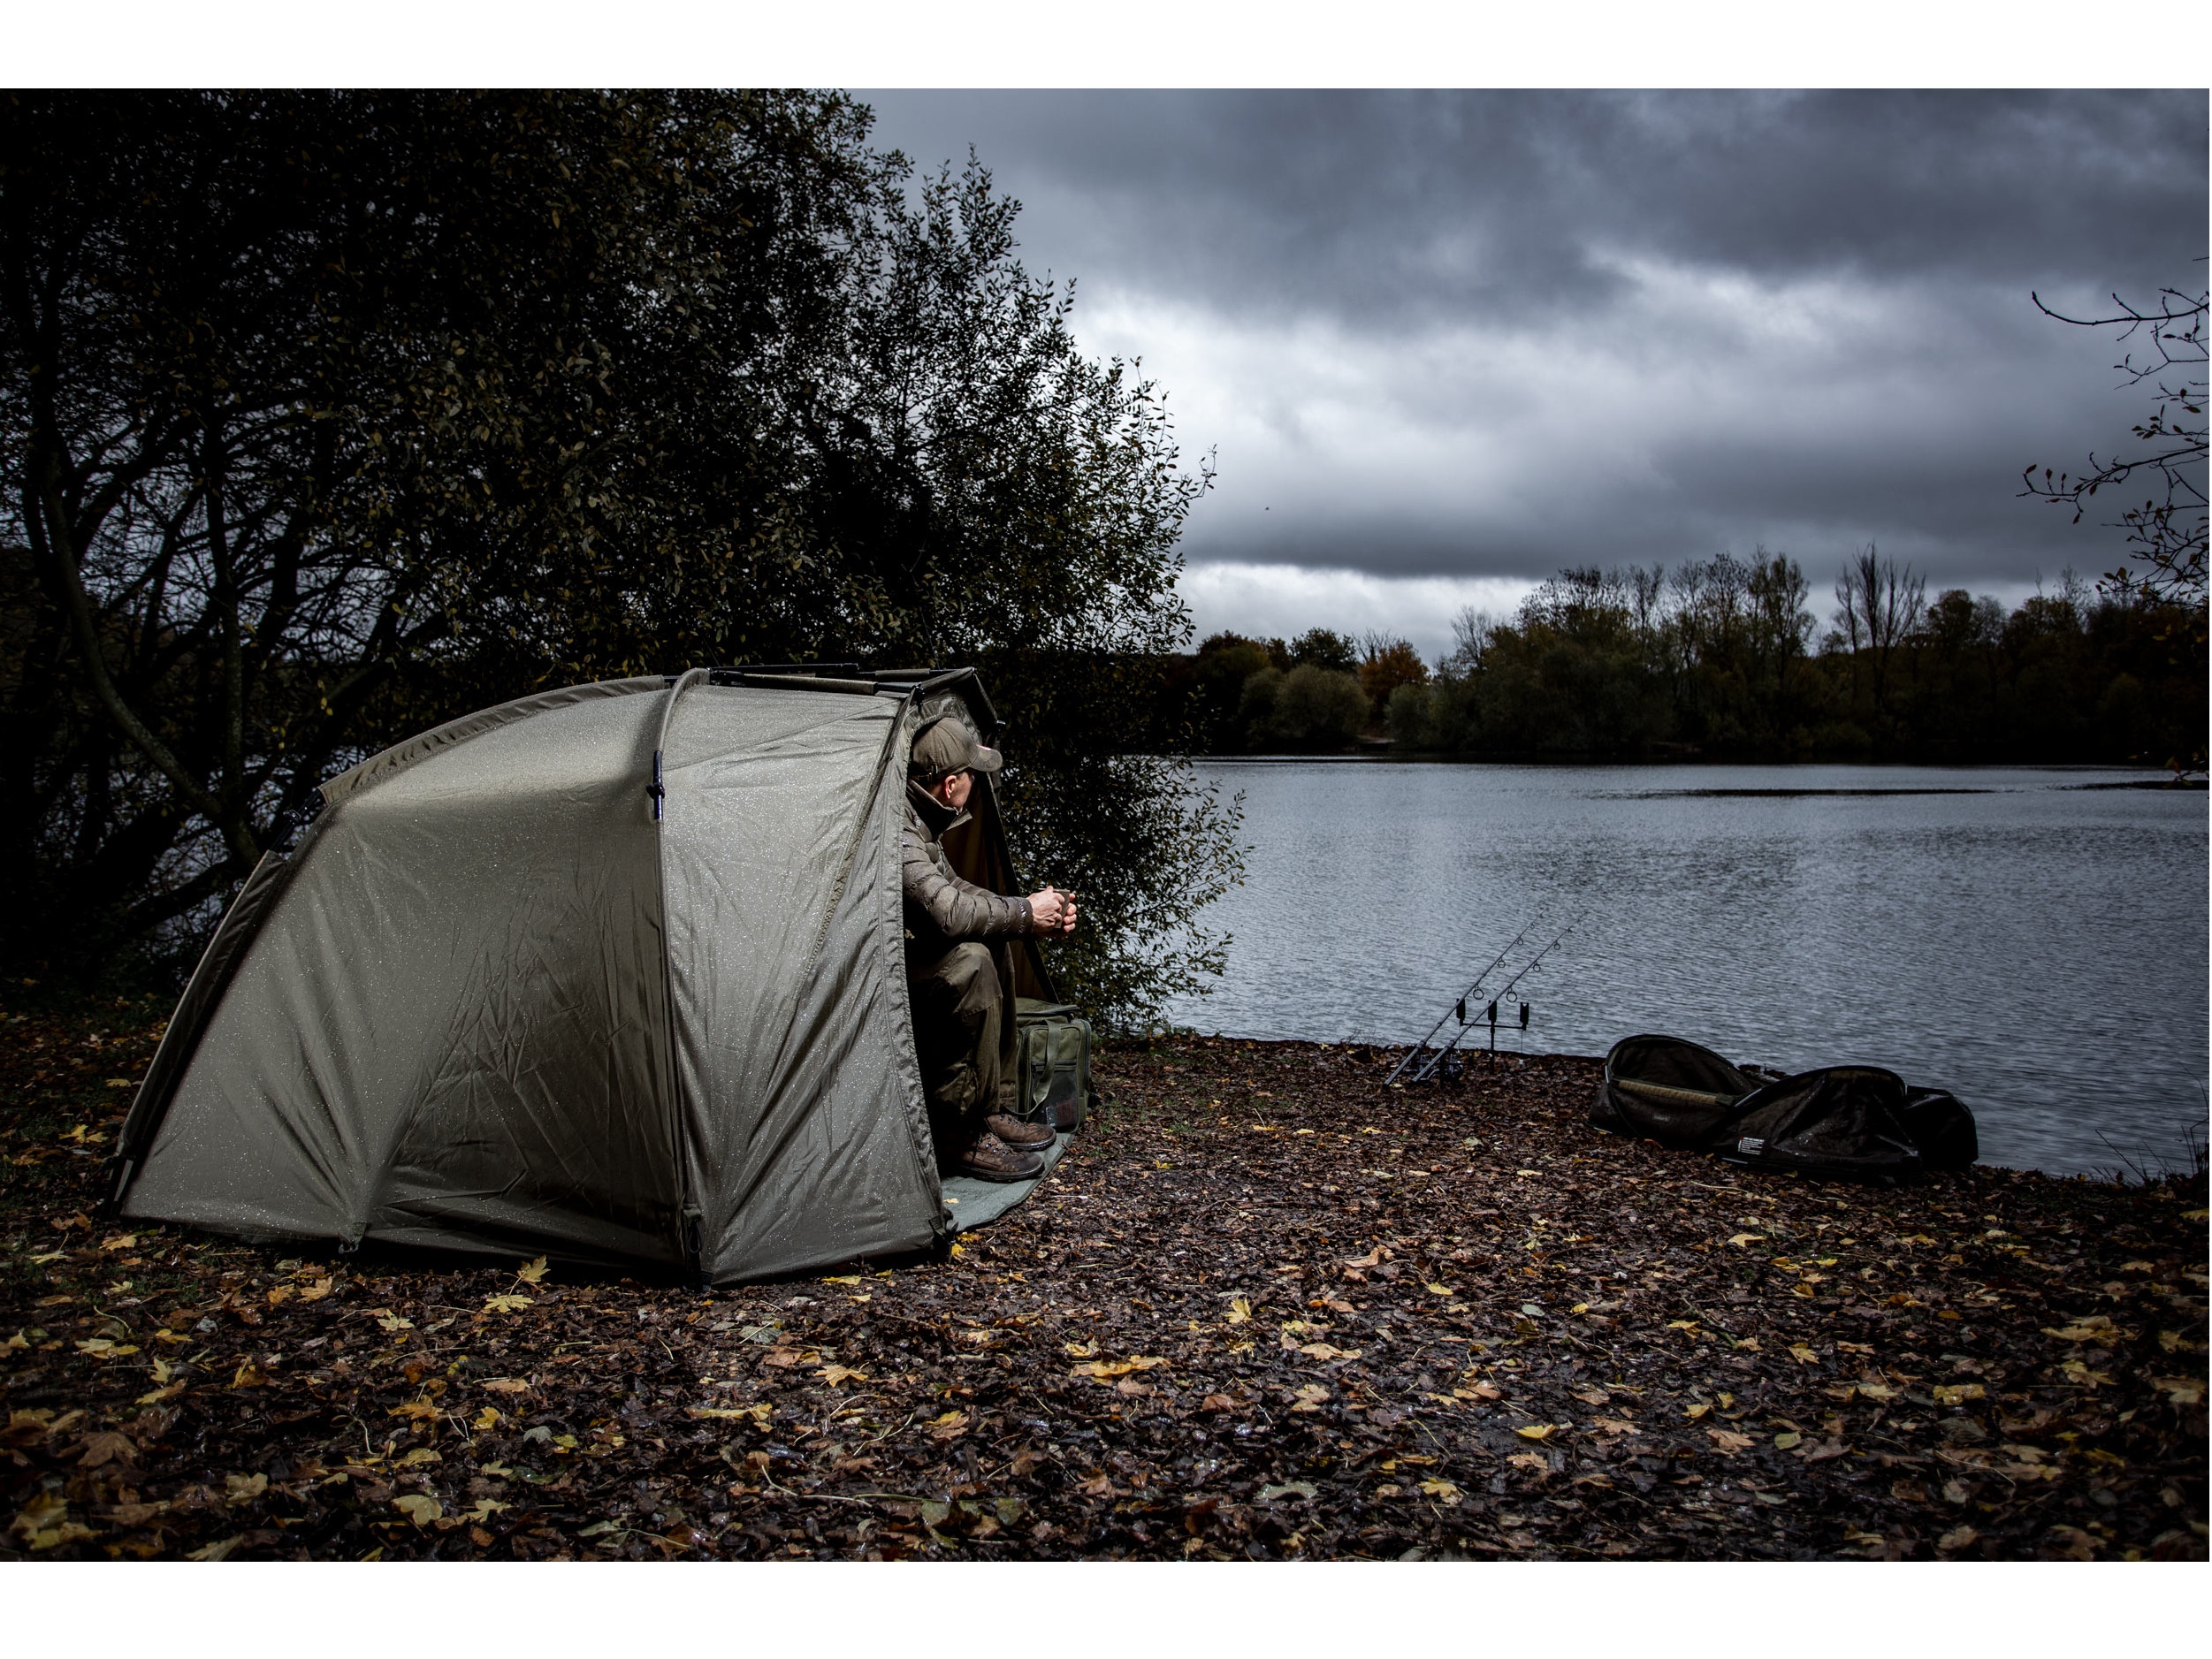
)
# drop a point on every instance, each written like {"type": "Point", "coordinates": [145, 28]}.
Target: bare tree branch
{"type": "Point", "coordinates": [2166, 532]}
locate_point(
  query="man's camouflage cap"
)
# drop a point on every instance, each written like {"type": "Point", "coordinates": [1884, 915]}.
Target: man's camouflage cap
{"type": "Point", "coordinates": [942, 746]}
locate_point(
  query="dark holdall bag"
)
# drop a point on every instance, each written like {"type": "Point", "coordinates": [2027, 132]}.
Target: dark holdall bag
{"type": "Point", "coordinates": [1052, 1063]}
{"type": "Point", "coordinates": [1669, 1091]}
{"type": "Point", "coordinates": [1857, 1122]}
{"type": "Point", "coordinates": [1839, 1121]}
{"type": "Point", "coordinates": [1942, 1127]}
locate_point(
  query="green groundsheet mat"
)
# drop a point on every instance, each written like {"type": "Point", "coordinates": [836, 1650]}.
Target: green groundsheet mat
{"type": "Point", "coordinates": [970, 1203]}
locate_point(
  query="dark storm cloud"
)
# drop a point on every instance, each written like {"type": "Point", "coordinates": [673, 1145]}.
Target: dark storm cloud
{"type": "Point", "coordinates": [1496, 333]}
{"type": "Point", "coordinates": [1432, 201]}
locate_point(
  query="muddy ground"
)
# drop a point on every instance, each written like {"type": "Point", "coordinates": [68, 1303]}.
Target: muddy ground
{"type": "Point", "coordinates": [1264, 1310]}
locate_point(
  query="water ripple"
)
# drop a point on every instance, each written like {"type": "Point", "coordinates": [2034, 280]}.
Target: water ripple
{"type": "Point", "coordinates": [2037, 946]}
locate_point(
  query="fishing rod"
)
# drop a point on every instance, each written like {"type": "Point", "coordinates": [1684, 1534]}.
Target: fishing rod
{"type": "Point", "coordinates": [1423, 1072]}
{"type": "Point", "coordinates": [1458, 1008]}
{"type": "Point", "coordinates": [1526, 970]}
{"type": "Point", "coordinates": [1541, 954]}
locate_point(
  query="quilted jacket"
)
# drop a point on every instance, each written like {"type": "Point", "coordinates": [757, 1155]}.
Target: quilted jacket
{"type": "Point", "coordinates": [941, 910]}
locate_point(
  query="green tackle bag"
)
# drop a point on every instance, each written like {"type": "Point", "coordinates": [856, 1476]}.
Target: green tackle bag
{"type": "Point", "coordinates": [1052, 1063]}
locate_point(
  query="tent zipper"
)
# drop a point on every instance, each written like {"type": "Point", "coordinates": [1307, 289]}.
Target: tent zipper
{"type": "Point", "coordinates": [691, 1219]}
{"type": "Point", "coordinates": [694, 1224]}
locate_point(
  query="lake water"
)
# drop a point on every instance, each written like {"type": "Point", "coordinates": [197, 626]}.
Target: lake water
{"type": "Point", "coordinates": [2037, 947]}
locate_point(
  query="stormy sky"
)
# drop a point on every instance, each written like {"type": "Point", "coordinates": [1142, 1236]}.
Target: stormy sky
{"type": "Point", "coordinates": [1443, 345]}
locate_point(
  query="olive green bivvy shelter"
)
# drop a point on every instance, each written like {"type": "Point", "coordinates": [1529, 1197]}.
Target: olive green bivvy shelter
{"type": "Point", "coordinates": [614, 972]}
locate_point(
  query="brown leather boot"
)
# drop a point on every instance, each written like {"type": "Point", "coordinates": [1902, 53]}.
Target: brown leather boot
{"type": "Point", "coordinates": [1020, 1135]}
{"type": "Point", "coordinates": [991, 1158]}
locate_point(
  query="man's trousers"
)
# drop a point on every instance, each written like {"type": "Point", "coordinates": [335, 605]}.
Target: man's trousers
{"type": "Point", "coordinates": [959, 1031]}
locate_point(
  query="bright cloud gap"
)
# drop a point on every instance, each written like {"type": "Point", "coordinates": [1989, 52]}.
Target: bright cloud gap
{"type": "Point", "coordinates": [1283, 601]}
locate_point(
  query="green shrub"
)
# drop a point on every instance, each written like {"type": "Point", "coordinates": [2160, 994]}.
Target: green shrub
{"type": "Point", "coordinates": [1318, 708]}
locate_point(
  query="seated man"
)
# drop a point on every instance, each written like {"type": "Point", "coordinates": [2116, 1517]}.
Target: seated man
{"type": "Point", "coordinates": [959, 1003]}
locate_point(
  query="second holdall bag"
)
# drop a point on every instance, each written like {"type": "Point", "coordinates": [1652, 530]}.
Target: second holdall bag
{"type": "Point", "coordinates": [1052, 1072]}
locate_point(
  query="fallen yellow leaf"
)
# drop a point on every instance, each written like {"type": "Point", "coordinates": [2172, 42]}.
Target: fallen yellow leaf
{"type": "Point", "coordinates": [1105, 1370]}
{"type": "Point", "coordinates": [757, 1414]}
{"type": "Point", "coordinates": [418, 1507]}
{"type": "Point", "coordinates": [1536, 1431]}
{"type": "Point", "coordinates": [1742, 1239]}
{"type": "Point", "coordinates": [510, 1303]}
{"type": "Point", "coordinates": [1239, 1311]}
{"type": "Point", "coordinates": [1803, 1354]}
{"type": "Point", "coordinates": [2097, 1329]}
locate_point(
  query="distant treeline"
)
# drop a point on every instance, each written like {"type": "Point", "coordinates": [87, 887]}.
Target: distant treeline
{"type": "Point", "coordinates": [1723, 659]}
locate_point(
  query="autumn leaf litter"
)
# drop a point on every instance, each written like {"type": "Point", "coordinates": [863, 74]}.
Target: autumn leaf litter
{"type": "Point", "coordinates": [1264, 1309]}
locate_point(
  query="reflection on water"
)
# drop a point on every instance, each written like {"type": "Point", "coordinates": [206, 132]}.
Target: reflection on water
{"type": "Point", "coordinates": [2038, 948]}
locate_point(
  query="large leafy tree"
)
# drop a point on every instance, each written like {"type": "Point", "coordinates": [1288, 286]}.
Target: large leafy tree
{"type": "Point", "coordinates": [327, 415]}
